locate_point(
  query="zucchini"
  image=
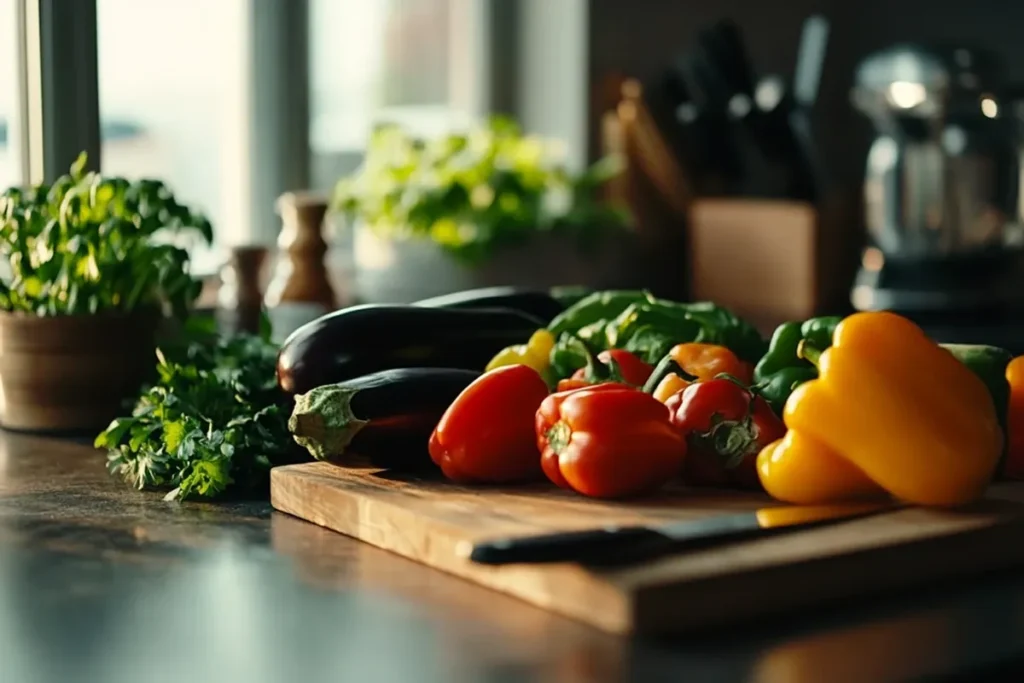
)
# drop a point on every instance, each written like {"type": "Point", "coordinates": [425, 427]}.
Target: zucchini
{"type": "Point", "coordinates": [385, 418]}
{"type": "Point", "coordinates": [360, 340]}
{"type": "Point", "coordinates": [539, 304]}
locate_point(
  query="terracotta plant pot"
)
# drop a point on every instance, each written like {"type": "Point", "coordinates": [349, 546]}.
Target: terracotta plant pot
{"type": "Point", "coordinates": [72, 373]}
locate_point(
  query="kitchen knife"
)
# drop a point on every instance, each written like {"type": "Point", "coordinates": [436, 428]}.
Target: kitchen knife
{"type": "Point", "coordinates": [612, 543]}
{"type": "Point", "coordinates": [810, 60]}
{"type": "Point", "coordinates": [725, 44]}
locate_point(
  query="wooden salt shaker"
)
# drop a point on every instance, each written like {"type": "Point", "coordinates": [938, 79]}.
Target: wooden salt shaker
{"type": "Point", "coordinates": [300, 290]}
{"type": "Point", "coordinates": [240, 296]}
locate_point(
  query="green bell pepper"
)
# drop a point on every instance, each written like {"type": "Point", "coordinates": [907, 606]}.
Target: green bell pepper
{"type": "Point", "coordinates": [781, 371]}
{"type": "Point", "coordinates": [989, 364]}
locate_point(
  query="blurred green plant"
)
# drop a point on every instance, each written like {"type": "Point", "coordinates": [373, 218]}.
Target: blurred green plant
{"type": "Point", "coordinates": [472, 193]}
{"type": "Point", "coordinates": [91, 244]}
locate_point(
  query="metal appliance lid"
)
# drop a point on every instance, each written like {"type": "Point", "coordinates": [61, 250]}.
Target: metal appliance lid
{"type": "Point", "coordinates": [903, 64]}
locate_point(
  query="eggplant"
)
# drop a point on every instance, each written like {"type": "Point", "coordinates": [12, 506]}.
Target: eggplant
{"type": "Point", "coordinates": [385, 418]}
{"type": "Point", "coordinates": [540, 304]}
{"type": "Point", "coordinates": [360, 340]}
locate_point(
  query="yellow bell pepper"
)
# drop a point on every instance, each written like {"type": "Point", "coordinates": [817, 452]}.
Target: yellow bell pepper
{"type": "Point", "coordinates": [669, 386]}
{"type": "Point", "coordinates": [800, 469]}
{"type": "Point", "coordinates": [535, 353]}
{"type": "Point", "coordinates": [896, 407]}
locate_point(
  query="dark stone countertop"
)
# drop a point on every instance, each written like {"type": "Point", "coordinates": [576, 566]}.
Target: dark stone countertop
{"type": "Point", "coordinates": [99, 583]}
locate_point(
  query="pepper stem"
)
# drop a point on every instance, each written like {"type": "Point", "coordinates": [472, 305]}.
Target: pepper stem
{"type": "Point", "coordinates": [808, 353]}
{"type": "Point", "coordinates": [667, 366]}
{"type": "Point", "coordinates": [558, 437]}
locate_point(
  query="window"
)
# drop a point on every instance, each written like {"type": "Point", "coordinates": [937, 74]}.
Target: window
{"type": "Point", "coordinates": [211, 96]}
{"type": "Point", "coordinates": [384, 60]}
{"type": "Point", "coordinates": [10, 96]}
{"type": "Point", "coordinates": [172, 93]}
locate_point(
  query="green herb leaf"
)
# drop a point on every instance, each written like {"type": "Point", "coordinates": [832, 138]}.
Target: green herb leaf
{"type": "Point", "coordinates": [474, 193]}
{"type": "Point", "coordinates": [205, 479]}
{"type": "Point", "coordinates": [212, 425]}
{"type": "Point", "coordinates": [91, 243]}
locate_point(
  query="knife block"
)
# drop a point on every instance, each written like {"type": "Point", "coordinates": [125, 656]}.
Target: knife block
{"type": "Point", "coordinates": [769, 260]}
{"type": "Point", "coordinates": [654, 187]}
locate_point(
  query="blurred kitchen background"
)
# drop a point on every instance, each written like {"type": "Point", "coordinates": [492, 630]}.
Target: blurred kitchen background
{"type": "Point", "coordinates": [783, 158]}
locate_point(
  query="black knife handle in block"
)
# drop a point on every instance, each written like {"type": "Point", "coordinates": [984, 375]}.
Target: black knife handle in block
{"type": "Point", "coordinates": [569, 546]}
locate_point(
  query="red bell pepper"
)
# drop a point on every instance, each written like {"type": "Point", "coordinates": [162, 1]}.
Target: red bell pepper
{"type": "Point", "coordinates": [725, 425]}
{"type": "Point", "coordinates": [487, 433]}
{"type": "Point", "coordinates": [608, 441]}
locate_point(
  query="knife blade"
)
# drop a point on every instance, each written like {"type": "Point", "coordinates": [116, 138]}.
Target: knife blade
{"type": "Point", "coordinates": [612, 543]}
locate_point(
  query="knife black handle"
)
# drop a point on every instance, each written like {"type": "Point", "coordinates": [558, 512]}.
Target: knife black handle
{"type": "Point", "coordinates": [569, 546]}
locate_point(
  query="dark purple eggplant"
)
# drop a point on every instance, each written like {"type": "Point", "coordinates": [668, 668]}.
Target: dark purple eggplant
{"type": "Point", "coordinates": [364, 339]}
{"type": "Point", "coordinates": [384, 418]}
{"type": "Point", "coordinates": [538, 303]}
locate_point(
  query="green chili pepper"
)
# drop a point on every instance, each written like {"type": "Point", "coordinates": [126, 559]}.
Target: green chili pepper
{"type": "Point", "coordinates": [781, 370]}
{"type": "Point", "coordinates": [594, 308]}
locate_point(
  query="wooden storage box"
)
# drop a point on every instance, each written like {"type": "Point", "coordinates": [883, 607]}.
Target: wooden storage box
{"type": "Point", "coordinates": [768, 260]}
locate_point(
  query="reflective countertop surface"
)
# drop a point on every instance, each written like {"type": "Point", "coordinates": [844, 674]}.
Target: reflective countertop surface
{"type": "Point", "coordinates": [99, 583]}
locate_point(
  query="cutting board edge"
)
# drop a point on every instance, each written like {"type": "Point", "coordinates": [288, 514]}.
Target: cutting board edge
{"type": "Point", "coordinates": [615, 615]}
{"type": "Point", "coordinates": [849, 576]}
{"type": "Point", "coordinates": [627, 601]}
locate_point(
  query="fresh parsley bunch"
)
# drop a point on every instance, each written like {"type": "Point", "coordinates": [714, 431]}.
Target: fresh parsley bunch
{"type": "Point", "coordinates": [94, 244]}
{"type": "Point", "coordinates": [213, 423]}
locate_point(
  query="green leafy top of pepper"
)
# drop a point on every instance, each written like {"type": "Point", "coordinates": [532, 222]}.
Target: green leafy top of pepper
{"type": "Point", "coordinates": [594, 308]}
{"type": "Point", "coordinates": [576, 354]}
{"type": "Point", "coordinates": [647, 326]}
{"type": "Point", "coordinates": [781, 370]}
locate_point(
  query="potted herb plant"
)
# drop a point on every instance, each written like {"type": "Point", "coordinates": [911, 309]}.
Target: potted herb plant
{"type": "Point", "coordinates": [491, 206]}
{"type": "Point", "coordinates": [93, 270]}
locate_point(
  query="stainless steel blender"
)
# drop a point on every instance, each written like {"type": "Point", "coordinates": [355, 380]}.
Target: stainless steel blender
{"type": "Point", "coordinates": [941, 186]}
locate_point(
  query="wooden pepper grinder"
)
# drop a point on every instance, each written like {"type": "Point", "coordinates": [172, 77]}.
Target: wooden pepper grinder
{"type": "Point", "coordinates": [300, 290]}
{"type": "Point", "coordinates": [240, 297]}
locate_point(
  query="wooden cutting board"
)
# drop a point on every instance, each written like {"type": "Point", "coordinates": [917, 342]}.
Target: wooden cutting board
{"type": "Point", "coordinates": [426, 520]}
